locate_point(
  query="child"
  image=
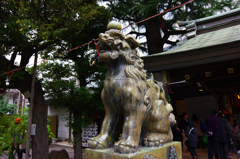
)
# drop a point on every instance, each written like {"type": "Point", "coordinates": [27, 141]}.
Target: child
{"type": "Point", "coordinates": [192, 135]}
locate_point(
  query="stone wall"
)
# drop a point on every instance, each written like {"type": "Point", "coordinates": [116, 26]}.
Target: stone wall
{"type": "Point", "coordinates": [201, 106]}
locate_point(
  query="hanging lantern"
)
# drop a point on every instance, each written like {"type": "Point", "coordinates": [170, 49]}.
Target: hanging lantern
{"type": "Point", "coordinates": [7, 81]}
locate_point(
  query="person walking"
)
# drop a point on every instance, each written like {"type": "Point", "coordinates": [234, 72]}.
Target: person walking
{"type": "Point", "coordinates": [212, 129]}
{"type": "Point", "coordinates": [177, 133]}
{"type": "Point", "coordinates": [192, 134]}
{"type": "Point", "coordinates": [224, 135]}
{"type": "Point", "coordinates": [183, 125]}
{"type": "Point", "coordinates": [198, 123]}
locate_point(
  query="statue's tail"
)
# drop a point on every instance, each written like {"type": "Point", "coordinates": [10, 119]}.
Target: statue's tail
{"type": "Point", "coordinates": [172, 119]}
{"type": "Point", "coordinates": [153, 84]}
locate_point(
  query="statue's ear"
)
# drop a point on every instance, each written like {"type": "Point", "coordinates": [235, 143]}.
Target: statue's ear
{"type": "Point", "coordinates": [132, 41]}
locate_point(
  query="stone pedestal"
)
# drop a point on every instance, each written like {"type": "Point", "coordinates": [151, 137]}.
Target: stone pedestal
{"type": "Point", "coordinates": [170, 150]}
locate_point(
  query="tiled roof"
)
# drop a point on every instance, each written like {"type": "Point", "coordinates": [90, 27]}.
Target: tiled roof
{"type": "Point", "coordinates": [223, 36]}
{"type": "Point", "coordinates": [210, 18]}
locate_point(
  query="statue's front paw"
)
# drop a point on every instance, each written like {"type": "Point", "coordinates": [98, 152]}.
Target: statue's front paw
{"type": "Point", "coordinates": [94, 143]}
{"type": "Point", "coordinates": [153, 140]}
{"type": "Point", "coordinates": [125, 146]}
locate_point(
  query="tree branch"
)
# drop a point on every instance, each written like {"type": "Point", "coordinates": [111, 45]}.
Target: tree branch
{"type": "Point", "coordinates": [165, 37]}
{"type": "Point", "coordinates": [14, 55]}
{"type": "Point", "coordinates": [134, 32]}
{"type": "Point", "coordinates": [25, 57]}
{"type": "Point", "coordinates": [45, 45]}
{"type": "Point", "coordinates": [169, 4]}
{"type": "Point", "coordinates": [164, 28]}
{"type": "Point", "coordinates": [7, 43]}
{"type": "Point", "coordinates": [176, 32]}
{"type": "Point", "coordinates": [171, 42]}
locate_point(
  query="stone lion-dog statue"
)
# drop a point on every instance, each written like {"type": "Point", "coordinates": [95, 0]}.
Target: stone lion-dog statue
{"type": "Point", "coordinates": [130, 95]}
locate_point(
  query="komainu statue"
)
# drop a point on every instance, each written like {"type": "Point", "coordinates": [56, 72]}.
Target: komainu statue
{"type": "Point", "coordinates": [130, 95]}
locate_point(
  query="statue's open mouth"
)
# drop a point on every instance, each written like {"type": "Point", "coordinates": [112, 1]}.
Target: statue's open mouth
{"type": "Point", "coordinates": [108, 55]}
{"type": "Point", "coordinates": [104, 47]}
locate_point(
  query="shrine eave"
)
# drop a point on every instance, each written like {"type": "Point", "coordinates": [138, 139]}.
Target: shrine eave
{"type": "Point", "coordinates": [206, 48]}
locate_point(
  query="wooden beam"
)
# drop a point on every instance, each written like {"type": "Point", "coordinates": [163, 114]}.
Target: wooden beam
{"type": "Point", "coordinates": [221, 70]}
{"type": "Point", "coordinates": [223, 83]}
{"type": "Point", "coordinates": [218, 75]}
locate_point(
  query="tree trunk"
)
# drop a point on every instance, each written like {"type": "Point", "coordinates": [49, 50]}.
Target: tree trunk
{"type": "Point", "coordinates": [153, 35]}
{"type": "Point", "coordinates": [40, 139]}
{"type": "Point", "coordinates": [77, 142]}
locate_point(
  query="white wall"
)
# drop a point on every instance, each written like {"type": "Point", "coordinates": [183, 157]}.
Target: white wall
{"type": "Point", "coordinates": [63, 131]}
{"type": "Point", "coordinates": [201, 106]}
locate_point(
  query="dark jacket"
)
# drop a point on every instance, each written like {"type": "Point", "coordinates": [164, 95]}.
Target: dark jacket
{"type": "Point", "coordinates": [212, 124]}
{"type": "Point", "coordinates": [224, 130]}
{"type": "Point", "coordinates": [192, 137]}
{"type": "Point", "coordinates": [177, 134]}
{"type": "Point", "coordinates": [183, 124]}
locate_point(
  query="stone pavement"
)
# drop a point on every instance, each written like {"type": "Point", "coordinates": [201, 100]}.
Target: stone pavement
{"type": "Point", "coordinates": [202, 153]}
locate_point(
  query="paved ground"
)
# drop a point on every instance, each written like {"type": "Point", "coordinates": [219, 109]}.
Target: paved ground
{"type": "Point", "coordinates": [202, 153]}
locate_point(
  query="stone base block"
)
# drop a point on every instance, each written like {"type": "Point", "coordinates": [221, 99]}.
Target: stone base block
{"type": "Point", "coordinates": [170, 150]}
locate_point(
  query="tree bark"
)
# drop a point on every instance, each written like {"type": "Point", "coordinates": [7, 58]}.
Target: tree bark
{"type": "Point", "coordinates": [77, 140]}
{"type": "Point", "coordinates": [40, 139]}
{"type": "Point", "coordinates": [153, 35]}
{"type": "Point", "coordinates": [31, 106]}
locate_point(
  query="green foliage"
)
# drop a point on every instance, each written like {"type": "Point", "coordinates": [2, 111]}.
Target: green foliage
{"type": "Point", "coordinates": [62, 91]}
{"type": "Point", "coordinates": [61, 72]}
{"type": "Point", "coordinates": [133, 11]}
{"type": "Point", "coordinates": [49, 20]}
{"type": "Point", "coordinates": [136, 10]}
{"type": "Point", "coordinates": [33, 26]}
{"type": "Point", "coordinates": [5, 107]}
{"type": "Point", "coordinates": [50, 133]}
{"type": "Point", "coordinates": [12, 134]}
{"type": "Point", "coordinates": [204, 8]}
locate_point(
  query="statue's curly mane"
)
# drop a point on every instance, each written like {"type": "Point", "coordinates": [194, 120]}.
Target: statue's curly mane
{"type": "Point", "coordinates": [134, 64]}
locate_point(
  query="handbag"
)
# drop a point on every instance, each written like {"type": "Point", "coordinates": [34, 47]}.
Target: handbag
{"type": "Point", "coordinates": [186, 142]}
{"type": "Point", "coordinates": [205, 139]}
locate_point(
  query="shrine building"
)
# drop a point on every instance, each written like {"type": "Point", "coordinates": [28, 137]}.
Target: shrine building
{"type": "Point", "coordinates": [203, 71]}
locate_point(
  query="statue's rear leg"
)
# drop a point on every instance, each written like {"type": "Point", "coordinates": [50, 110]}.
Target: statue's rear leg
{"type": "Point", "coordinates": [158, 126]}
